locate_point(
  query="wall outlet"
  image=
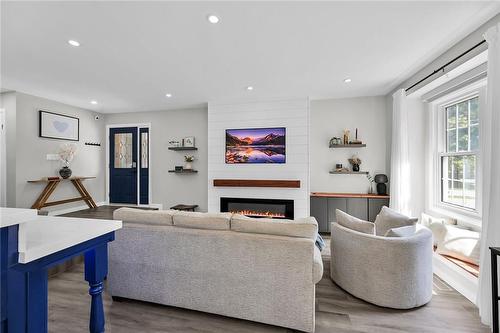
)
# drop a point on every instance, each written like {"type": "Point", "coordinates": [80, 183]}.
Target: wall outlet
{"type": "Point", "coordinates": [52, 157]}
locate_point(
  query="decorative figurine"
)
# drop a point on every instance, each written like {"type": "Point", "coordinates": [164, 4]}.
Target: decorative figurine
{"type": "Point", "coordinates": [346, 136]}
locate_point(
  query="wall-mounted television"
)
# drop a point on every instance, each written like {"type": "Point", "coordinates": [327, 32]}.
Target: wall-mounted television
{"type": "Point", "coordinates": [256, 145]}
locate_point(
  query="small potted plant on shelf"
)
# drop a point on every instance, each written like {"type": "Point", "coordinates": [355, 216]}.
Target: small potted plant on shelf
{"type": "Point", "coordinates": [355, 162]}
{"type": "Point", "coordinates": [188, 159]}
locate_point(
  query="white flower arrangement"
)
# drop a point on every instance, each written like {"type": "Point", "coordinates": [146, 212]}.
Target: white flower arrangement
{"type": "Point", "coordinates": [67, 152]}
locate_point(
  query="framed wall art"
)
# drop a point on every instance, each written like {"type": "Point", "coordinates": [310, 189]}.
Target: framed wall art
{"type": "Point", "coordinates": [58, 126]}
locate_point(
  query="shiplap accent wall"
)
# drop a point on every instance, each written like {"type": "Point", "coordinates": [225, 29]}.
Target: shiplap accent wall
{"type": "Point", "coordinates": [292, 114]}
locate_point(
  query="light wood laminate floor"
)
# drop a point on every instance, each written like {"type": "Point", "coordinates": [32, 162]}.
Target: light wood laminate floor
{"type": "Point", "coordinates": [336, 312]}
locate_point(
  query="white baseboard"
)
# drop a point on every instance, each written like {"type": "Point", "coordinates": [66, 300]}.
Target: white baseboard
{"type": "Point", "coordinates": [159, 206]}
{"type": "Point", "coordinates": [73, 209]}
{"type": "Point", "coordinates": [458, 278]}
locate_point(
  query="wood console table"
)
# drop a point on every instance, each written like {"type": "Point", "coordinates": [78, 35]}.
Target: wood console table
{"type": "Point", "coordinates": [52, 185]}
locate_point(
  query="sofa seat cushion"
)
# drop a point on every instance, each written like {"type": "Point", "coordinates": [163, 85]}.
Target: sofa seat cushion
{"type": "Point", "coordinates": [389, 218]}
{"type": "Point", "coordinates": [354, 223]}
{"type": "Point", "coordinates": [304, 227]}
{"type": "Point", "coordinates": [214, 221]}
{"type": "Point", "coordinates": [143, 216]}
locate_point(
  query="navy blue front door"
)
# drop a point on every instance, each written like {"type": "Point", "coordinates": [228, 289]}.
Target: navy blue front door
{"type": "Point", "coordinates": [123, 165]}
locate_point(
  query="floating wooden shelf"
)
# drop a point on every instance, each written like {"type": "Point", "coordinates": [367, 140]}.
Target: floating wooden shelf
{"type": "Point", "coordinates": [183, 171]}
{"type": "Point", "coordinates": [182, 148]}
{"type": "Point", "coordinates": [257, 183]}
{"type": "Point", "coordinates": [349, 172]}
{"type": "Point", "coordinates": [349, 195]}
{"type": "Point", "coordinates": [351, 145]}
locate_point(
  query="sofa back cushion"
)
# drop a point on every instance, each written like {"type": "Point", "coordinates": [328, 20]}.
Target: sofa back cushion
{"type": "Point", "coordinates": [304, 227]}
{"type": "Point", "coordinates": [214, 221]}
{"type": "Point", "coordinates": [389, 218]}
{"type": "Point", "coordinates": [143, 216]}
{"type": "Point", "coordinates": [354, 223]}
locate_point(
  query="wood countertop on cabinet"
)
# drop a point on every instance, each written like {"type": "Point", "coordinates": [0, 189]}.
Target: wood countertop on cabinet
{"type": "Point", "coordinates": [348, 195]}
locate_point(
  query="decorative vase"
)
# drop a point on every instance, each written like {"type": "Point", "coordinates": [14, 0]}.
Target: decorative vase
{"type": "Point", "coordinates": [355, 167]}
{"type": "Point", "coordinates": [370, 189]}
{"type": "Point", "coordinates": [188, 166]}
{"type": "Point", "coordinates": [381, 189]}
{"type": "Point", "coordinates": [65, 172]}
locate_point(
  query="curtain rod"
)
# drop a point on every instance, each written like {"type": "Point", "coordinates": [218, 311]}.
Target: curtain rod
{"type": "Point", "coordinates": [446, 65]}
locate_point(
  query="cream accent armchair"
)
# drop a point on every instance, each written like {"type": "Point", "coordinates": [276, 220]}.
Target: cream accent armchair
{"type": "Point", "coordinates": [394, 272]}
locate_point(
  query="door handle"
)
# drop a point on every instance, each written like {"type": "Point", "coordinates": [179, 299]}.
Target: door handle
{"type": "Point", "coordinates": [134, 164]}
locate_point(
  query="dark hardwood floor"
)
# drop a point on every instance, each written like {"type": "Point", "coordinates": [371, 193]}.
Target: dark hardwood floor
{"type": "Point", "coordinates": [336, 310]}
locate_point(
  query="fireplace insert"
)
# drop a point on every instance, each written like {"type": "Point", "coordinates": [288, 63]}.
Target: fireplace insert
{"type": "Point", "coordinates": [270, 208]}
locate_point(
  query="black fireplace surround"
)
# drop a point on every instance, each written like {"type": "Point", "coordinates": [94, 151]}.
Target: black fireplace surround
{"type": "Point", "coordinates": [270, 208]}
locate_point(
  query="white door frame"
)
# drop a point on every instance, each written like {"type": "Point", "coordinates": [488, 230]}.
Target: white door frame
{"type": "Point", "coordinates": [3, 160]}
{"type": "Point", "coordinates": [139, 126]}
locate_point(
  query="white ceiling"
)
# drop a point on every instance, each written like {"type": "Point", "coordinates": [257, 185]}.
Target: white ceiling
{"type": "Point", "coordinates": [133, 53]}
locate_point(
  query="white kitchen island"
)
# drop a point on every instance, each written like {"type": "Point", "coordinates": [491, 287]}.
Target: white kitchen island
{"type": "Point", "coordinates": [29, 246]}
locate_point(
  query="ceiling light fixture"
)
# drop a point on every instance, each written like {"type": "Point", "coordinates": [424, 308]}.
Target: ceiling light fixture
{"type": "Point", "coordinates": [73, 42]}
{"type": "Point", "coordinates": [213, 19]}
{"type": "Point", "coordinates": [347, 80]}
{"type": "Point", "coordinates": [168, 95]}
{"type": "Point", "coordinates": [249, 88]}
{"type": "Point", "coordinates": [93, 102]}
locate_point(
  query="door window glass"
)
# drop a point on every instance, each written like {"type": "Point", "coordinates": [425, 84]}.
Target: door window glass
{"type": "Point", "coordinates": [144, 150]}
{"type": "Point", "coordinates": [123, 150]}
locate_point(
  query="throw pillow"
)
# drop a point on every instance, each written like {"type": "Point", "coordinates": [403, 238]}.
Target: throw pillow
{"type": "Point", "coordinates": [407, 231]}
{"type": "Point", "coordinates": [354, 223]}
{"type": "Point", "coordinates": [389, 218]}
{"type": "Point", "coordinates": [460, 243]}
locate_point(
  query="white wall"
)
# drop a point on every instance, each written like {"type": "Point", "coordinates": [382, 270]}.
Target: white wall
{"type": "Point", "coordinates": [292, 114]}
{"type": "Point", "coordinates": [170, 189]}
{"type": "Point", "coordinates": [31, 151]}
{"type": "Point", "coordinates": [328, 119]}
{"type": "Point", "coordinates": [8, 103]}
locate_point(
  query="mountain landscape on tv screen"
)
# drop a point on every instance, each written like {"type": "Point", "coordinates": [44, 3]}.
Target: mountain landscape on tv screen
{"type": "Point", "coordinates": [257, 145]}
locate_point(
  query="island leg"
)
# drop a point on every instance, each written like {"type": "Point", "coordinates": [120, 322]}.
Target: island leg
{"type": "Point", "coordinates": [96, 269]}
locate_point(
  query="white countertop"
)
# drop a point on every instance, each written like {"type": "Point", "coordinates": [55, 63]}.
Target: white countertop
{"type": "Point", "coordinates": [45, 235]}
{"type": "Point", "coordinates": [13, 216]}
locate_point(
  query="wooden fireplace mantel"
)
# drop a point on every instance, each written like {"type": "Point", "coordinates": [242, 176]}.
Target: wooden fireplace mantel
{"type": "Point", "coordinates": [256, 183]}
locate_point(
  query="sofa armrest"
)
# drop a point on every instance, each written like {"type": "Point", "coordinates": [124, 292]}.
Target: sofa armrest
{"type": "Point", "coordinates": [317, 265]}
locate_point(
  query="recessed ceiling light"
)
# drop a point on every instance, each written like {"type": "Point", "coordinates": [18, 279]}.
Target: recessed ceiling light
{"type": "Point", "coordinates": [168, 95]}
{"type": "Point", "coordinates": [249, 88]}
{"type": "Point", "coordinates": [347, 80]}
{"type": "Point", "coordinates": [93, 102]}
{"type": "Point", "coordinates": [73, 42]}
{"type": "Point", "coordinates": [213, 19]}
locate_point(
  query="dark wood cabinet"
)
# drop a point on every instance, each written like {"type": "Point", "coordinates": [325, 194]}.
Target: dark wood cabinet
{"type": "Point", "coordinates": [320, 209]}
{"type": "Point", "coordinates": [362, 206]}
{"type": "Point", "coordinates": [333, 204]}
{"type": "Point", "coordinates": [374, 207]}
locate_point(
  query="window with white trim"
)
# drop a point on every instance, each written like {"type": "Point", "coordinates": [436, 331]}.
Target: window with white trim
{"type": "Point", "coordinates": [460, 155]}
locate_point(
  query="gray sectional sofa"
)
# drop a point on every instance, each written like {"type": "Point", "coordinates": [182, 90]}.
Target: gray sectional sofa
{"type": "Point", "coordinates": [231, 265]}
